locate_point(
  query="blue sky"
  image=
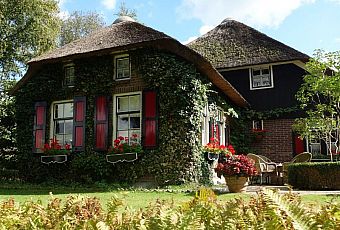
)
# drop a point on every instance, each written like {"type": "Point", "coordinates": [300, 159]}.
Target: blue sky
{"type": "Point", "coordinates": [305, 25]}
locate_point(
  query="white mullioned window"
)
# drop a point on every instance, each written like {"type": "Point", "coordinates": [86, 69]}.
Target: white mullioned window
{"type": "Point", "coordinates": [122, 67]}
{"type": "Point", "coordinates": [127, 116]}
{"type": "Point", "coordinates": [261, 77]}
{"type": "Point", "coordinates": [62, 122]}
{"type": "Point", "coordinates": [69, 77]}
{"type": "Point", "coordinates": [213, 125]}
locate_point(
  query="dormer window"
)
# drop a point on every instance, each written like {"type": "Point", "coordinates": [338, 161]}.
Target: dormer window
{"type": "Point", "coordinates": [122, 67]}
{"type": "Point", "coordinates": [261, 77]}
{"type": "Point", "coordinates": [68, 75]}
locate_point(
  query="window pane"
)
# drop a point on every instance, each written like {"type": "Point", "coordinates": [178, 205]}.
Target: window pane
{"type": "Point", "coordinates": [265, 71]}
{"type": "Point", "coordinates": [126, 73]}
{"type": "Point", "coordinates": [135, 136]}
{"type": "Point", "coordinates": [60, 139]}
{"type": "Point", "coordinates": [68, 110]}
{"type": "Point", "coordinates": [68, 126]}
{"type": "Point", "coordinates": [265, 80]}
{"type": "Point", "coordinates": [123, 134]}
{"type": "Point", "coordinates": [58, 111]}
{"type": "Point", "coordinates": [123, 122]}
{"type": "Point", "coordinates": [134, 121]}
{"type": "Point", "coordinates": [120, 73]}
{"type": "Point", "coordinates": [256, 72]}
{"type": "Point", "coordinates": [122, 104]}
{"type": "Point", "coordinates": [134, 103]}
{"type": "Point", "coordinates": [68, 139]}
{"type": "Point", "coordinates": [256, 81]}
{"type": "Point", "coordinates": [59, 127]}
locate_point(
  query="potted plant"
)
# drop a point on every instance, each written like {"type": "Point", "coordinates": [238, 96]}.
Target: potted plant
{"type": "Point", "coordinates": [236, 169]}
{"type": "Point", "coordinates": [122, 150]}
{"type": "Point", "coordinates": [54, 152]}
{"type": "Point", "coordinates": [259, 134]}
{"type": "Point", "coordinates": [213, 150]}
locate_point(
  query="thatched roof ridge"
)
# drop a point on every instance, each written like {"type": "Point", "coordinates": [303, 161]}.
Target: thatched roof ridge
{"type": "Point", "coordinates": [234, 44]}
{"type": "Point", "coordinates": [131, 35]}
{"type": "Point", "coordinates": [117, 35]}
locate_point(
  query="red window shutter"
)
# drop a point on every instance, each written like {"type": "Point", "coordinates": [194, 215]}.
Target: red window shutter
{"type": "Point", "coordinates": [39, 128]}
{"type": "Point", "coordinates": [101, 123]}
{"type": "Point", "coordinates": [218, 137]}
{"type": "Point", "coordinates": [299, 145]}
{"type": "Point", "coordinates": [150, 119]}
{"type": "Point", "coordinates": [79, 111]}
{"type": "Point", "coordinates": [211, 130]}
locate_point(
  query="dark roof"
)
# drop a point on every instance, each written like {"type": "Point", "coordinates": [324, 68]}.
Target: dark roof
{"type": "Point", "coordinates": [130, 35]}
{"type": "Point", "coordinates": [234, 44]}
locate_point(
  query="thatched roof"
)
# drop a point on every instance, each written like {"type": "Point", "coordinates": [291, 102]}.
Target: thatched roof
{"type": "Point", "coordinates": [125, 35]}
{"type": "Point", "coordinates": [234, 44]}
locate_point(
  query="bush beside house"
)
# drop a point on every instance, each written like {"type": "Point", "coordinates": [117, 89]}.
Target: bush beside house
{"type": "Point", "coordinates": [314, 176]}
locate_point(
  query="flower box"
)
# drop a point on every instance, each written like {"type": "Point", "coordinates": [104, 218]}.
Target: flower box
{"type": "Point", "coordinates": [211, 156]}
{"type": "Point", "coordinates": [53, 159]}
{"type": "Point", "coordinates": [121, 157]}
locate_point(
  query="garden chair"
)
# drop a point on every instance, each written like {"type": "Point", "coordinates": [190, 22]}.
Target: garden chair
{"type": "Point", "coordinates": [300, 158]}
{"type": "Point", "coordinates": [263, 167]}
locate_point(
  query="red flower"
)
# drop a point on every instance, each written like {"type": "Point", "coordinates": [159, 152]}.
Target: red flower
{"type": "Point", "coordinates": [121, 138]}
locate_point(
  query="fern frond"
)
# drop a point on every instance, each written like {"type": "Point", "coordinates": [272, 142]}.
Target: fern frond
{"type": "Point", "coordinates": [301, 219]}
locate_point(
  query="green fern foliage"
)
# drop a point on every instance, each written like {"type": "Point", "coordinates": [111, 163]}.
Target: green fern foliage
{"type": "Point", "coordinates": [267, 210]}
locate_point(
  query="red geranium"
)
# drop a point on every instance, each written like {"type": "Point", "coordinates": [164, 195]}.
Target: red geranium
{"type": "Point", "coordinates": [237, 165]}
{"type": "Point", "coordinates": [54, 148]}
{"type": "Point", "coordinates": [214, 147]}
{"type": "Point", "coordinates": [121, 145]}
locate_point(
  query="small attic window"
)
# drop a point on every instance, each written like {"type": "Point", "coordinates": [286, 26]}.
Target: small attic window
{"type": "Point", "coordinates": [261, 77]}
{"type": "Point", "coordinates": [68, 75]}
{"type": "Point", "coordinates": [122, 67]}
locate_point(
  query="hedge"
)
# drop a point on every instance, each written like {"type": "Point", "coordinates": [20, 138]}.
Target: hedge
{"type": "Point", "coordinates": [314, 176]}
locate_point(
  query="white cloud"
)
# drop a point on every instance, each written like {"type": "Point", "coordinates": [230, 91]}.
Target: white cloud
{"type": "Point", "coordinates": [204, 29]}
{"type": "Point", "coordinates": [336, 1]}
{"type": "Point", "coordinates": [190, 39]}
{"type": "Point", "coordinates": [63, 14]}
{"type": "Point", "coordinates": [258, 13]}
{"type": "Point", "coordinates": [337, 40]}
{"type": "Point", "coordinates": [109, 4]}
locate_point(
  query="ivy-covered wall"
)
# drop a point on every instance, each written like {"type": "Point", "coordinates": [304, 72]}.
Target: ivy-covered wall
{"type": "Point", "coordinates": [182, 92]}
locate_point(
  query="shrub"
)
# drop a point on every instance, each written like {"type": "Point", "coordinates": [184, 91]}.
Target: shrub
{"type": "Point", "coordinates": [268, 210]}
{"type": "Point", "coordinates": [321, 175]}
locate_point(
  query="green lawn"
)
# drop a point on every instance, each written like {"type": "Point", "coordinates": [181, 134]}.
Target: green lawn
{"type": "Point", "coordinates": [132, 198]}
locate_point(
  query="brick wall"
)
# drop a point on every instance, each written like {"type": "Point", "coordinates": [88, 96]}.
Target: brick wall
{"type": "Point", "coordinates": [277, 143]}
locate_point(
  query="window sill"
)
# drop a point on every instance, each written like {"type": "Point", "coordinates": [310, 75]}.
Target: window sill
{"type": "Point", "coordinates": [122, 79]}
{"type": "Point", "coordinates": [124, 157]}
{"type": "Point", "coordinates": [53, 159]}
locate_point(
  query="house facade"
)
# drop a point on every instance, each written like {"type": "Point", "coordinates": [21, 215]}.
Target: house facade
{"type": "Point", "coordinates": [129, 82]}
{"type": "Point", "coordinates": [268, 74]}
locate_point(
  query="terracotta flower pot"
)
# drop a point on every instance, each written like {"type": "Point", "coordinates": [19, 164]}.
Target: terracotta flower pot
{"type": "Point", "coordinates": [236, 183]}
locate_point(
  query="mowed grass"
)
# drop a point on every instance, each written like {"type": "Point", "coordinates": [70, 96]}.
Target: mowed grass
{"type": "Point", "coordinates": [135, 199]}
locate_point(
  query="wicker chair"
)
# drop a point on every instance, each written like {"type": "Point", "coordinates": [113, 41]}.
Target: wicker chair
{"type": "Point", "coordinates": [300, 158]}
{"type": "Point", "coordinates": [263, 167]}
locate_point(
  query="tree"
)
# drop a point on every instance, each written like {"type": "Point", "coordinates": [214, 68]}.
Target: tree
{"type": "Point", "coordinates": [319, 95]}
{"type": "Point", "coordinates": [78, 25]}
{"type": "Point", "coordinates": [7, 125]}
{"type": "Point", "coordinates": [27, 28]}
{"type": "Point", "coordinates": [124, 11]}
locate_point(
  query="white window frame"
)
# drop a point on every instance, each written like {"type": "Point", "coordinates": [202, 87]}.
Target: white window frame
{"type": "Point", "coordinates": [205, 125]}
{"type": "Point", "coordinates": [69, 65]}
{"type": "Point", "coordinates": [260, 68]}
{"type": "Point", "coordinates": [114, 123]}
{"type": "Point", "coordinates": [121, 56]}
{"type": "Point", "coordinates": [52, 118]}
{"type": "Point", "coordinates": [261, 123]}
